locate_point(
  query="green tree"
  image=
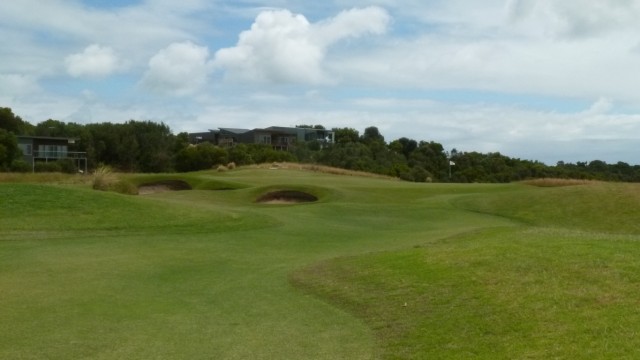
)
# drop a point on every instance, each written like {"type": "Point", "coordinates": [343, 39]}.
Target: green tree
{"type": "Point", "coordinates": [431, 157]}
{"type": "Point", "coordinates": [403, 146]}
{"type": "Point", "coordinates": [346, 135]}
{"type": "Point", "coordinates": [372, 135]}
{"type": "Point", "coordinates": [9, 151]}
{"type": "Point", "coordinates": [155, 145]}
{"type": "Point", "coordinates": [50, 127]}
{"type": "Point", "coordinates": [13, 123]}
{"type": "Point", "coordinates": [239, 154]}
{"type": "Point", "coordinates": [351, 155]}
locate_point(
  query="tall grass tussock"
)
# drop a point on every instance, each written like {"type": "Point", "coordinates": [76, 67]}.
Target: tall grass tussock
{"type": "Point", "coordinates": [105, 179]}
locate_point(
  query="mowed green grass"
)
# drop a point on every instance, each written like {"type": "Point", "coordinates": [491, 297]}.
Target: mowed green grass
{"type": "Point", "coordinates": [375, 269]}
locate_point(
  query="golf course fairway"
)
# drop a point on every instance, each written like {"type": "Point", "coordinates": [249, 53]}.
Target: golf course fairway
{"type": "Point", "coordinates": [326, 267]}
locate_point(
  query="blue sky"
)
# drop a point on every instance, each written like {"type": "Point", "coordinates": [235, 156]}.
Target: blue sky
{"type": "Point", "coordinates": [534, 79]}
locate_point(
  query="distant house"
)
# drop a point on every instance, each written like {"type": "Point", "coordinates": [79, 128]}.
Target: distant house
{"type": "Point", "coordinates": [280, 138]}
{"type": "Point", "coordinates": [46, 148]}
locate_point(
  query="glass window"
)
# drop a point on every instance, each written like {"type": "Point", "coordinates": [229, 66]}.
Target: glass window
{"type": "Point", "coordinates": [26, 148]}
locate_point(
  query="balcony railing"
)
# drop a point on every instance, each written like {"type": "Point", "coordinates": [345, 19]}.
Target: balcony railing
{"type": "Point", "coordinates": [59, 154]}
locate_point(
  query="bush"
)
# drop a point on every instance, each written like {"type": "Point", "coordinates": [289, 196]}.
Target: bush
{"type": "Point", "coordinates": [239, 155]}
{"type": "Point", "coordinates": [199, 157]}
{"type": "Point", "coordinates": [416, 174]}
{"type": "Point", "coordinates": [68, 166]}
{"type": "Point", "coordinates": [20, 166]}
{"type": "Point", "coordinates": [53, 166]}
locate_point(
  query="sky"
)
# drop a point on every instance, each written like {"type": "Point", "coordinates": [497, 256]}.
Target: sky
{"type": "Point", "coordinates": [541, 80]}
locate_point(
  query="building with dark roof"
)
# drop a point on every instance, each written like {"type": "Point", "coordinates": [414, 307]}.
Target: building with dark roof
{"type": "Point", "coordinates": [48, 148]}
{"type": "Point", "coordinates": [279, 137]}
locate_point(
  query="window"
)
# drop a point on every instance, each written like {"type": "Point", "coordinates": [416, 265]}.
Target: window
{"type": "Point", "coordinates": [26, 148]}
{"type": "Point", "coordinates": [52, 151]}
{"type": "Point", "coordinates": [62, 151]}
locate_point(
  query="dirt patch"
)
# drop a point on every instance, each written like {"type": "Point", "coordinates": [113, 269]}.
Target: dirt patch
{"type": "Point", "coordinates": [162, 186]}
{"type": "Point", "coordinates": [287, 197]}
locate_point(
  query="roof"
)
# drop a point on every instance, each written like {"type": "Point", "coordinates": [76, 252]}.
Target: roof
{"type": "Point", "coordinates": [235, 131]}
{"type": "Point", "coordinates": [296, 129]}
{"type": "Point", "coordinates": [45, 137]}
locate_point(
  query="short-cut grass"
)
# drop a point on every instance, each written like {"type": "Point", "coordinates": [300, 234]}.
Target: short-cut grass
{"type": "Point", "coordinates": [376, 268]}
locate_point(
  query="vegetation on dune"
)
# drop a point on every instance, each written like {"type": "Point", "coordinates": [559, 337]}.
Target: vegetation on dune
{"type": "Point", "coordinates": [145, 146]}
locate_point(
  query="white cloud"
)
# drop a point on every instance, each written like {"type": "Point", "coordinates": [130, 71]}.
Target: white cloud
{"type": "Point", "coordinates": [590, 68]}
{"type": "Point", "coordinates": [53, 29]}
{"type": "Point", "coordinates": [283, 47]}
{"type": "Point", "coordinates": [353, 23]}
{"type": "Point", "coordinates": [574, 19]}
{"type": "Point", "coordinates": [94, 61]}
{"type": "Point", "coordinates": [183, 6]}
{"type": "Point", "coordinates": [602, 106]}
{"type": "Point", "coordinates": [180, 69]}
{"type": "Point", "coordinates": [17, 85]}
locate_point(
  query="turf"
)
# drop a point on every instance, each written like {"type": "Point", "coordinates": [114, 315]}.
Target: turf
{"type": "Point", "coordinates": [375, 268]}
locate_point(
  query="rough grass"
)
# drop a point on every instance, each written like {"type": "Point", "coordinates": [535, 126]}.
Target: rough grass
{"type": "Point", "coordinates": [374, 269]}
{"type": "Point", "coordinates": [44, 178]}
{"type": "Point", "coordinates": [324, 169]}
{"type": "Point", "coordinates": [554, 182]}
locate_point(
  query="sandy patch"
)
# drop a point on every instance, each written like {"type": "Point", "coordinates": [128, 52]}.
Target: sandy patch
{"type": "Point", "coordinates": [286, 197]}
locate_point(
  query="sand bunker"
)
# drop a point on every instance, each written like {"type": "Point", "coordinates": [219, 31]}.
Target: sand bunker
{"type": "Point", "coordinates": [162, 186]}
{"type": "Point", "coordinates": [286, 197]}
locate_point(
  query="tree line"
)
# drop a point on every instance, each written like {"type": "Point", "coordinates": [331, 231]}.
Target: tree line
{"type": "Point", "coordinates": [146, 146]}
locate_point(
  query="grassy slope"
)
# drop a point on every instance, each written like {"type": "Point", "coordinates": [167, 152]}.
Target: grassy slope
{"type": "Point", "coordinates": [209, 274]}
{"type": "Point", "coordinates": [563, 286]}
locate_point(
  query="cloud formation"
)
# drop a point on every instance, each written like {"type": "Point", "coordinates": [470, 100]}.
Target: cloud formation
{"type": "Point", "coordinates": [283, 47]}
{"type": "Point", "coordinates": [493, 75]}
{"type": "Point", "coordinates": [17, 85]}
{"type": "Point", "coordinates": [573, 19]}
{"type": "Point", "coordinates": [585, 49]}
{"type": "Point", "coordinates": [95, 61]}
{"type": "Point", "coordinates": [180, 69]}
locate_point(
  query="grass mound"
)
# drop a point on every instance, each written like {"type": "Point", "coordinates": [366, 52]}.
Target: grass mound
{"type": "Point", "coordinates": [596, 206]}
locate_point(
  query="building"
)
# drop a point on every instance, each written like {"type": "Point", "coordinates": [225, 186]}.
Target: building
{"type": "Point", "coordinates": [47, 148]}
{"type": "Point", "coordinates": [280, 138]}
